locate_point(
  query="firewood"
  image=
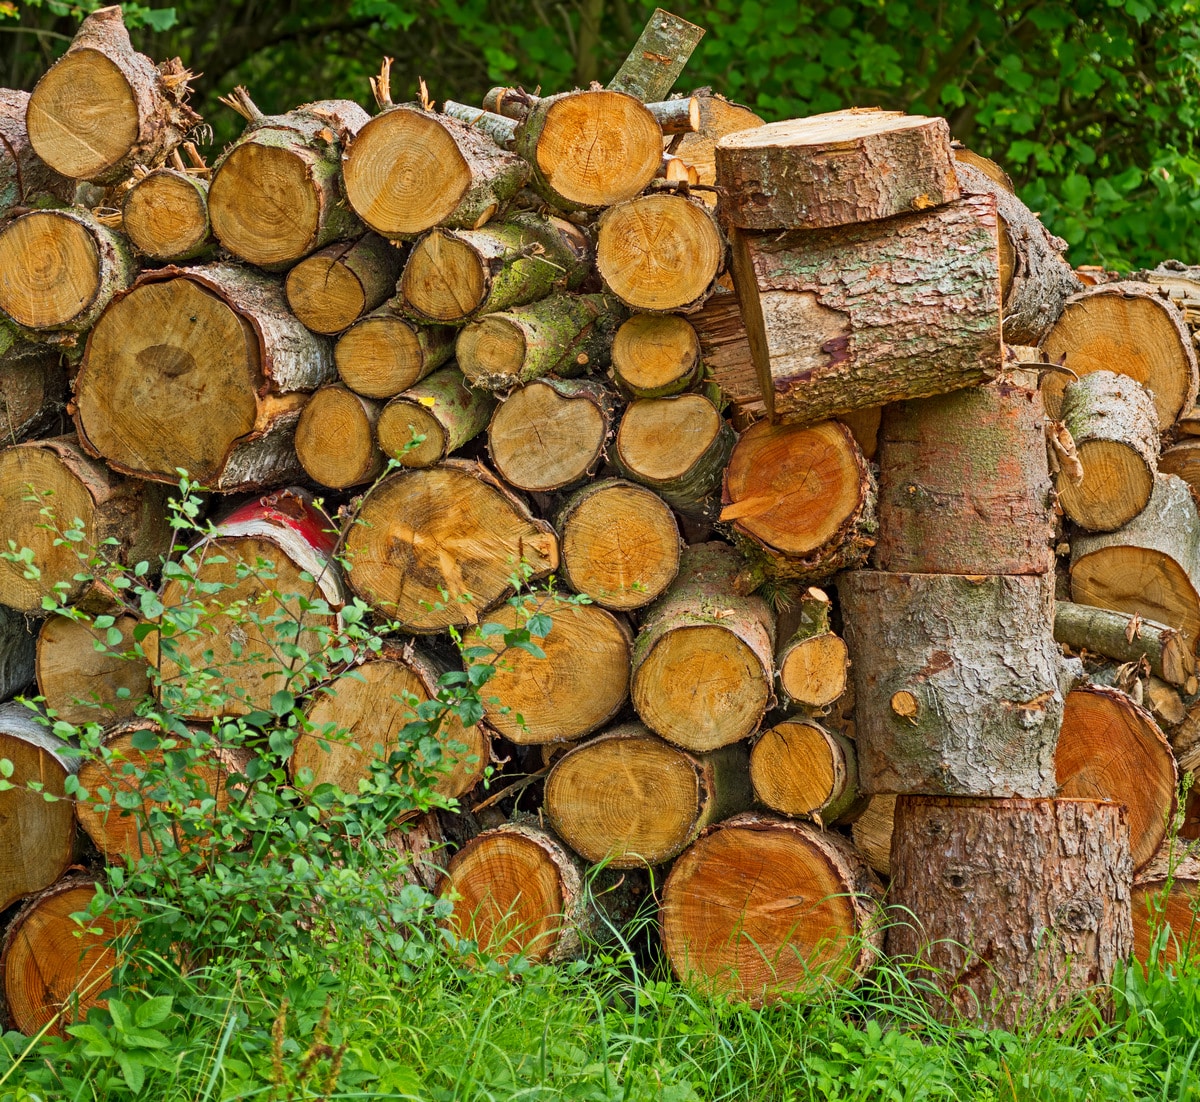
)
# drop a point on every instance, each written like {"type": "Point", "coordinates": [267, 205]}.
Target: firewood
{"type": "Point", "coordinates": [725, 353]}
{"type": "Point", "coordinates": [629, 799]}
{"type": "Point", "coordinates": [24, 177]}
{"type": "Point", "coordinates": [33, 388]}
{"type": "Point", "coordinates": [18, 640]}
{"type": "Point", "coordinates": [83, 684]}
{"type": "Point", "coordinates": [103, 107]}
{"type": "Point", "coordinates": [813, 663]}
{"type": "Point", "coordinates": [761, 907]}
{"type": "Point", "coordinates": [1182, 459]}
{"type": "Point", "coordinates": [330, 290]}
{"type": "Point", "coordinates": [800, 769]}
{"type": "Point", "coordinates": [976, 161]}
{"type": "Point", "coordinates": [443, 408]}
{"type": "Point", "coordinates": [423, 843]}
{"type": "Point", "coordinates": [165, 214]}
{"type": "Point", "coordinates": [1165, 893]}
{"type": "Point", "coordinates": [674, 116]}
{"type": "Point", "coordinates": [1016, 906]}
{"type": "Point", "coordinates": [657, 57]}
{"type": "Point", "coordinates": [656, 356]}
{"type": "Point", "coordinates": [203, 369]}
{"type": "Point", "coordinates": [872, 832]}
{"type": "Point", "coordinates": [384, 354]}
{"type": "Point", "coordinates": [1126, 638]}
{"type": "Point", "coordinates": [718, 117]}
{"type": "Point", "coordinates": [335, 438]}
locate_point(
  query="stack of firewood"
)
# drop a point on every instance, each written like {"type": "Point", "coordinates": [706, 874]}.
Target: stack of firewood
{"type": "Point", "coordinates": [525, 304]}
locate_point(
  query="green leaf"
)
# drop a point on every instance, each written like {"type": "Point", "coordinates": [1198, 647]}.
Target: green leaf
{"type": "Point", "coordinates": [120, 1015]}
{"type": "Point", "coordinates": [132, 1071]}
{"type": "Point", "coordinates": [154, 1011]}
{"type": "Point", "coordinates": [282, 702]}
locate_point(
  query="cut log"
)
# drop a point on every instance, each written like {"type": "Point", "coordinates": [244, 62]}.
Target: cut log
{"type": "Point", "coordinates": [1129, 328]}
{"type": "Point", "coordinates": [18, 642]}
{"type": "Point", "coordinates": [1111, 749]}
{"type": "Point", "coordinates": [620, 544]}
{"type": "Point", "coordinates": [1165, 894]}
{"type": "Point", "coordinates": [657, 57]}
{"type": "Point", "coordinates": [165, 214]}
{"type": "Point", "coordinates": [201, 369]}
{"type": "Point", "coordinates": [383, 355]}
{"type": "Point", "coordinates": [553, 433]}
{"type": "Point", "coordinates": [103, 107]}
{"type": "Point", "coordinates": [872, 832]}
{"type": "Point", "coordinates": [1016, 906]}
{"type": "Point", "coordinates": [822, 309]}
{"type": "Point", "coordinates": [800, 769]}
{"type": "Point", "coordinates": [330, 290]}
{"type": "Point", "coordinates": [725, 354]}
{"type": "Point", "coordinates": [802, 499]}
{"type": "Point", "coordinates": [579, 686]}
{"type": "Point", "coordinates": [813, 664]}
{"type": "Point", "coordinates": [24, 177]}
{"type": "Point", "coordinates": [410, 549]}
{"type": "Point", "coordinates": [1121, 637]}
{"type": "Point", "coordinates": [84, 677]}
{"type": "Point", "coordinates": [760, 908]}
{"type": "Point", "coordinates": [76, 488]}
{"type": "Point", "coordinates": [455, 275]}
{"type": "Point", "coordinates": [702, 664]}
{"type": "Point", "coordinates": [33, 389]}
{"type": "Point", "coordinates": [656, 356]}
{"type": "Point", "coordinates": [276, 192]}
{"type": "Point", "coordinates": [958, 684]}
{"type": "Point", "coordinates": [1114, 426]}
{"type": "Point", "coordinates": [335, 438]}
{"type": "Point", "coordinates": [718, 117]}
{"type": "Point", "coordinates": [1182, 459]}
{"type": "Point", "coordinates": [659, 253]}
{"type": "Point", "coordinates": [990, 169]}
{"type": "Point", "coordinates": [442, 408]}
{"type": "Point", "coordinates": [37, 836]}
{"type": "Point", "coordinates": [59, 269]}
{"type": "Point", "coordinates": [964, 485]}
{"type": "Point", "coordinates": [512, 105]}
{"type": "Point", "coordinates": [835, 169]}
{"type": "Point", "coordinates": [562, 335]}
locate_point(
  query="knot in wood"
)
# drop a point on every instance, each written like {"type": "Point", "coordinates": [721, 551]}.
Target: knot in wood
{"type": "Point", "coordinates": [1078, 915]}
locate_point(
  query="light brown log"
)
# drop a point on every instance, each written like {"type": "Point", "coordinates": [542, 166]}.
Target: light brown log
{"type": "Point", "coordinates": [680, 115]}
{"type": "Point", "coordinates": [872, 832]}
{"type": "Point", "coordinates": [383, 355]}
{"type": "Point", "coordinates": [657, 57]}
{"type": "Point", "coordinates": [1182, 459]}
{"type": "Point", "coordinates": [718, 117]}
{"type": "Point", "coordinates": [802, 770]}
{"type": "Point", "coordinates": [335, 438]}
{"type": "Point", "coordinates": [1165, 894]}
{"type": "Point", "coordinates": [813, 663]}
{"type": "Point", "coordinates": [165, 214]}
{"type": "Point", "coordinates": [83, 677]}
{"type": "Point", "coordinates": [656, 356]}
{"type": "Point", "coordinates": [443, 408]}
{"type": "Point", "coordinates": [25, 179]}
{"type": "Point", "coordinates": [330, 290]}
{"type": "Point", "coordinates": [1117, 635]}
{"type": "Point", "coordinates": [759, 908]}
{"type": "Point", "coordinates": [725, 353]}
{"type": "Point", "coordinates": [33, 389]}
{"type": "Point", "coordinates": [1015, 906]}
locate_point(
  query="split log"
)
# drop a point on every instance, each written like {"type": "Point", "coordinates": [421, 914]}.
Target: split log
{"type": "Point", "coordinates": [657, 57]}
{"type": "Point", "coordinates": [813, 663]}
{"type": "Point", "coordinates": [77, 488]}
{"type": "Point", "coordinates": [456, 275]}
{"type": "Point", "coordinates": [959, 687]}
{"type": "Point", "coordinates": [1016, 906]}
{"type": "Point", "coordinates": [1114, 426]}
{"type": "Point", "coordinates": [18, 643]}
{"type": "Point", "coordinates": [579, 686]}
{"type": "Point", "coordinates": [103, 107]}
{"type": "Point", "coordinates": [800, 498]}
{"type": "Point", "coordinates": [443, 409]}
{"type": "Point", "coordinates": [37, 835]}
{"type": "Point", "coordinates": [84, 677]}
{"type": "Point", "coordinates": [1129, 328]}
{"type": "Point", "coordinates": [276, 192]}
{"type": "Point", "coordinates": [725, 353]}
{"type": "Point", "coordinates": [165, 214]}
{"type": "Point", "coordinates": [383, 355]}
{"type": "Point", "coordinates": [335, 438]}
{"type": "Point", "coordinates": [619, 544]}
{"type": "Point", "coordinates": [24, 177]}
{"type": "Point", "coordinates": [330, 290]}
{"type": "Point", "coordinates": [872, 832]}
{"type": "Point", "coordinates": [659, 253]}
{"type": "Point", "coordinates": [822, 328]}
{"type": "Point", "coordinates": [202, 369]}
{"type": "Point", "coordinates": [553, 433]}
{"type": "Point", "coordinates": [702, 663]}
{"type": "Point", "coordinates": [410, 548]}
{"type": "Point", "coordinates": [1165, 894]}
{"type": "Point", "coordinates": [835, 170]}
{"type": "Point", "coordinates": [1111, 749]}
{"type": "Point", "coordinates": [1182, 459]}
{"type": "Point", "coordinates": [656, 356]}
{"type": "Point", "coordinates": [760, 908]}
{"type": "Point", "coordinates": [800, 769]}
{"type": "Point", "coordinates": [59, 269]}
{"type": "Point", "coordinates": [718, 117]}
{"type": "Point", "coordinates": [629, 799]}
{"type": "Point", "coordinates": [33, 389]}
{"type": "Point", "coordinates": [562, 335]}
{"type": "Point", "coordinates": [1124, 638]}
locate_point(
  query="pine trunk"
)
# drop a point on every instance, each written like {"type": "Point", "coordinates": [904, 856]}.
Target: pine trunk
{"type": "Point", "coordinates": [383, 355]}
{"type": "Point", "coordinates": [330, 290]}
{"type": "Point", "coordinates": [1117, 635]}
{"type": "Point", "coordinates": [165, 214]}
{"type": "Point", "coordinates": [725, 353]}
{"type": "Point", "coordinates": [335, 438]}
{"type": "Point", "coordinates": [802, 770]}
{"type": "Point", "coordinates": [82, 684]}
{"type": "Point", "coordinates": [443, 408]}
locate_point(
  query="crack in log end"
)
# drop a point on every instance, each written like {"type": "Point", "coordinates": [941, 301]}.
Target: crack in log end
{"type": "Point", "coordinates": [805, 338]}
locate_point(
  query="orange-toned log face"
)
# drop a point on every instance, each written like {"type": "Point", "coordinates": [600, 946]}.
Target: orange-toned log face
{"type": "Point", "coordinates": [1160, 904]}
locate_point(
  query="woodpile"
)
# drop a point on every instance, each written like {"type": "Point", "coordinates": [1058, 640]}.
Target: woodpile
{"type": "Point", "coordinates": [796, 443]}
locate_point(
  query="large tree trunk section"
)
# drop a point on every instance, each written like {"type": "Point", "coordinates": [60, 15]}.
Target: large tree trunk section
{"type": "Point", "coordinates": [165, 214]}
{"type": "Point", "coordinates": [872, 832]}
{"type": "Point", "coordinates": [1165, 894]}
{"type": "Point", "coordinates": [822, 309]}
{"type": "Point", "coordinates": [802, 497]}
{"type": "Point", "coordinates": [410, 547]}
{"type": "Point", "coordinates": [82, 684]}
{"type": "Point", "coordinates": [561, 335]}
{"type": "Point", "coordinates": [59, 269]}
{"type": "Point", "coordinates": [1017, 906]}
{"type": "Point", "coordinates": [759, 908]}
{"type": "Point", "coordinates": [579, 686]}
{"type": "Point", "coordinates": [1111, 749]}
{"type": "Point", "coordinates": [37, 836]}
{"type": "Point", "coordinates": [725, 353]}
{"type": "Point", "coordinates": [1181, 459]}
{"type": "Point", "coordinates": [442, 408]}
{"type": "Point", "coordinates": [959, 685]}
{"type": "Point", "coordinates": [103, 107]}
{"type": "Point", "coordinates": [76, 488]}
{"type": "Point", "coordinates": [813, 664]}
{"type": "Point", "coordinates": [800, 769]}
{"type": "Point", "coordinates": [1131, 329]}
{"type": "Point", "coordinates": [656, 356]}
{"type": "Point", "coordinates": [964, 486]}
{"type": "Point", "coordinates": [33, 389]}
{"type": "Point", "coordinates": [383, 355]}
{"type": "Point", "coordinates": [657, 57]}
{"type": "Point", "coordinates": [330, 290]}
{"type": "Point", "coordinates": [17, 645]}
{"type": "Point", "coordinates": [455, 275]}
{"type": "Point", "coordinates": [718, 117]}
{"type": "Point", "coordinates": [335, 438]}
{"type": "Point", "coordinates": [24, 178]}
{"type": "Point", "coordinates": [702, 663]}
{"type": "Point", "coordinates": [553, 433]}
{"type": "Point", "coordinates": [1118, 636]}
{"type": "Point", "coordinates": [660, 253]}
{"type": "Point", "coordinates": [630, 799]}
{"type": "Point", "coordinates": [619, 544]}
{"type": "Point", "coordinates": [835, 169]}
{"type": "Point", "coordinates": [200, 368]}
{"type": "Point", "coordinates": [1150, 567]}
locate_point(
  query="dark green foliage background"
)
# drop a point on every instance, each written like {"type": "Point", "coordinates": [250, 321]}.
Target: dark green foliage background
{"type": "Point", "coordinates": [1090, 105]}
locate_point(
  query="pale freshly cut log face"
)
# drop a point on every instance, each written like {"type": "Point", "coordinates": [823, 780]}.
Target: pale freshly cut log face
{"type": "Point", "coordinates": [820, 130]}
{"type": "Point", "coordinates": [324, 294]}
{"type": "Point", "coordinates": [664, 438]}
{"type": "Point", "coordinates": [400, 423]}
{"type": "Point", "coordinates": [444, 278]}
{"type": "Point", "coordinates": [1178, 901]}
{"type": "Point", "coordinates": [872, 833]}
{"type": "Point", "coordinates": [49, 269]}
{"type": "Point", "coordinates": [165, 216]}
{"type": "Point", "coordinates": [791, 768]}
{"type": "Point", "coordinates": [38, 836]}
{"type": "Point", "coordinates": [654, 352]}
{"type": "Point", "coordinates": [541, 440]}
{"type": "Point", "coordinates": [492, 346]}
{"type": "Point", "coordinates": [1140, 581]}
{"type": "Point", "coordinates": [813, 673]}
{"type": "Point", "coordinates": [335, 439]}
{"type": "Point", "coordinates": [82, 684]}
{"type": "Point", "coordinates": [380, 357]}
{"type": "Point", "coordinates": [1115, 488]}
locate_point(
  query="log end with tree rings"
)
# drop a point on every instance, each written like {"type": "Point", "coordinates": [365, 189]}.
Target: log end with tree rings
{"type": "Point", "coordinates": [335, 438]}
{"type": "Point", "coordinates": [718, 117]}
{"type": "Point", "coordinates": [655, 355]}
{"type": "Point", "coordinates": [662, 441]}
{"type": "Point", "coordinates": [1166, 894]}
{"type": "Point", "coordinates": [872, 832]}
{"type": "Point", "coordinates": [82, 684]}
{"type": "Point", "coordinates": [324, 294]}
{"type": "Point", "coordinates": [383, 355]}
{"type": "Point", "coordinates": [801, 770]}
{"type": "Point", "coordinates": [1183, 459]}
{"type": "Point", "coordinates": [491, 348]}
{"type": "Point", "coordinates": [165, 214]}
{"type": "Point", "coordinates": [435, 417]}
{"type": "Point", "coordinates": [445, 279]}
{"type": "Point", "coordinates": [813, 672]}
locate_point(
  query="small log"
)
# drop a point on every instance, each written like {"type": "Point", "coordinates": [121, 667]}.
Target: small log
{"type": "Point", "coordinates": [657, 57]}
{"type": "Point", "coordinates": [24, 177]}
{"type": "Point", "coordinates": [718, 117]}
{"type": "Point", "coordinates": [959, 687]}
{"type": "Point", "coordinates": [822, 328]}
{"type": "Point", "coordinates": [702, 663]}
{"type": "Point", "coordinates": [872, 832]}
{"type": "Point", "coordinates": [1182, 459]}
{"type": "Point", "coordinates": [629, 799]}
{"type": "Point", "coordinates": [553, 433]}
{"type": "Point", "coordinates": [620, 544]}
{"type": "Point", "coordinates": [511, 105]}
{"type": "Point", "coordinates": [335, 438]}
{"type": "Point", "coordinates": [725, 354]}
{"type": "Point", "coordinates": [18, 643]}
{"type": "Point", "coordinates": [656, 356]}
{"type": "Point", "coordinates": [500, 128]}
{"type": "Point", "coordinates": [165, 214]}
{"type": "Point", "coordinates": [33, 389]}
{"type": "Point", "coordinates": [760, 908]}
{"type": "Point", "coordinates": [443, 408]}
{"type": "Point", "coordinates": [1124, 638]}
{"type": "Point", "coordinates": [1165, 894]}
{"type": "Point", "coordinates": [330, 290]}
{"type": "Point", "coordinates": [383, 355]}
{"type": "Point", "coordinates": [1016, 906]}
{"type": "Point", "coordinates": [813, 663]}
{"type": "Point", "coordinates": [802, 770]}
{"type": "Point", "coordinates": [410, 548]}
{"type": "Point", "coordinates": [103, 107]}
{"type": "Point", "coordinates": [86, 679]}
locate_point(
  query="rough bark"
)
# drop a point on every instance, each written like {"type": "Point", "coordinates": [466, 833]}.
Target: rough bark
{"type": "Point", "coordinates": [725, 354]}
{"type": "Point", "coordinates": [656, 356]}
{"type": "Point", "coordinates": [24, 177]}
{"type": "Point", "coordinates": [165, 214]}
{"type": "Point", "coordinates": [1121, 637]}
{"type": "Point", "coordinates": [335, 438]}
{"type": "Point", "coordinates": [718, 117]}
{"type": "Point", "coordinates": [383, 355]}
{"type": "Point", "coordinates": [83, 677]}
{"type": "Point", "coordinates": [443, 408]}
{"type": "Point", "coordinates": [330, 290]}
{"type": "Point", "coordinates": [802, 770]}
{"type": "Point", "coordinates": [813, 663]}
{"type": "Point", "coordinates": [657, 57]}
{"type": "Point", "coordinates": [17, 645]}
{"type": "Point", "coordinates": [33, 389]}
